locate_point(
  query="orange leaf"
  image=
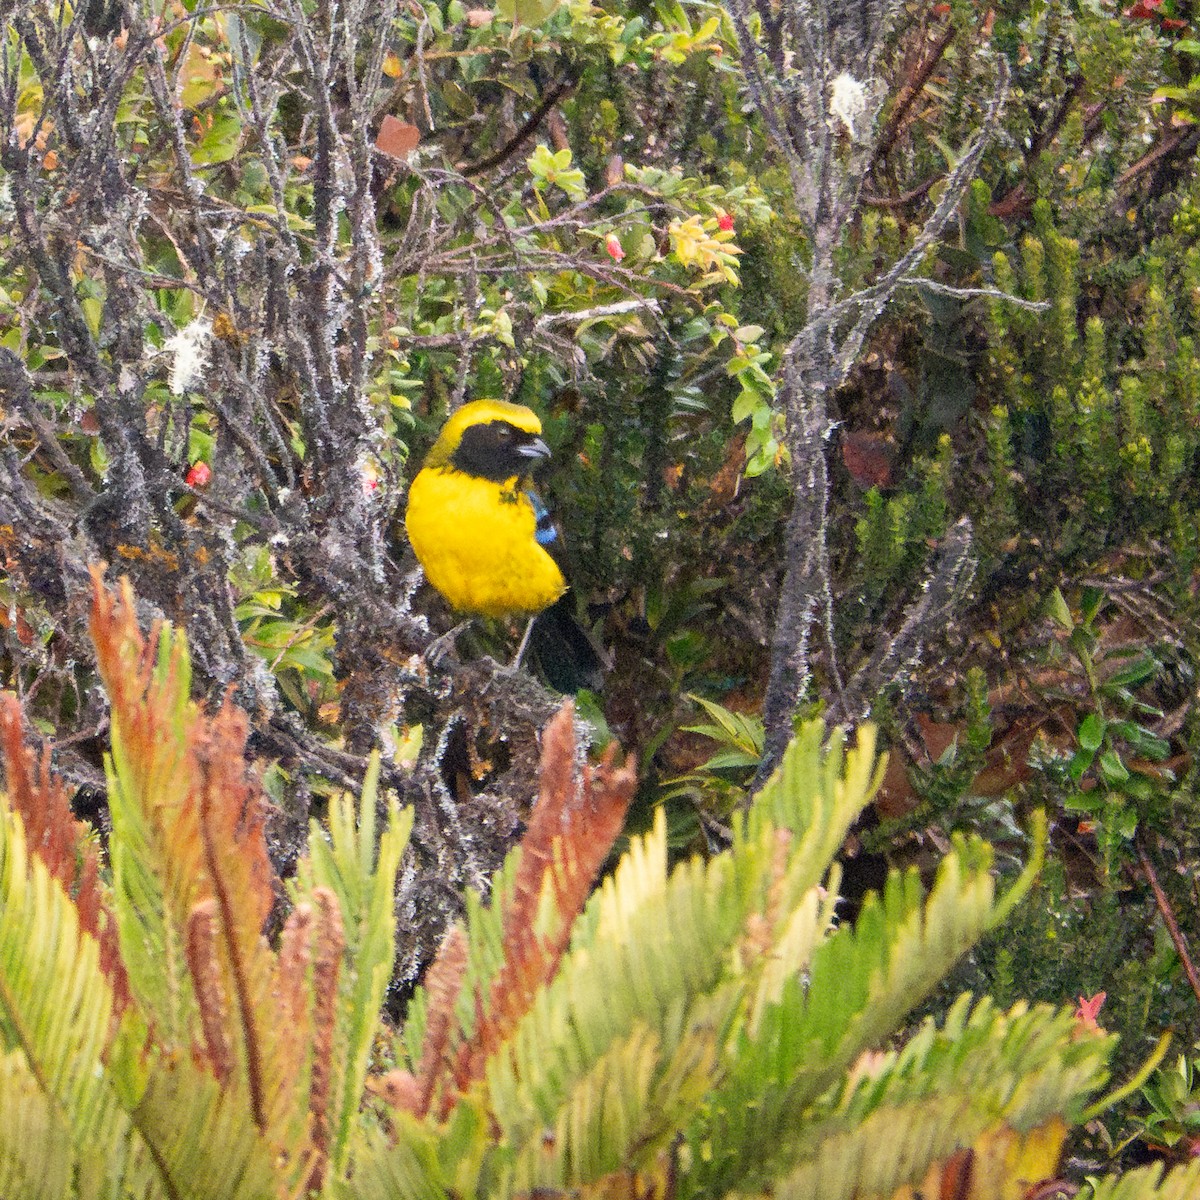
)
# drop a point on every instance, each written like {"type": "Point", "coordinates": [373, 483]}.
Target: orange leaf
{"type": "Point", "coordinates": [397, 138]}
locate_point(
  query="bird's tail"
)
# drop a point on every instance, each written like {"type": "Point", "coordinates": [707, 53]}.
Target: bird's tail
{"type": "Point", "coordinates": [562, 650]}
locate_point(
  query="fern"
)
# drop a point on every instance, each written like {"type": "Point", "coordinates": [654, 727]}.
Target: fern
{"type": "Point", "coordinates": [227, 1068]}
{"type": "Point", "coordinates": [361, 874]}
{"type": "Point", "coordinates": [705, 1030]}
{"type": "Point", "coordinates": [1180, 1184]}
{"type": "Point", "coordinates": [56, 1013]}
{"type": "Point", "coordinates": [37, 1157]}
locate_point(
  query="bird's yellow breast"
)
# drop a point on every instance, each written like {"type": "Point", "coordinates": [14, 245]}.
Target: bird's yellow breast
{"type": "Point", "coordinates": [477, 541]}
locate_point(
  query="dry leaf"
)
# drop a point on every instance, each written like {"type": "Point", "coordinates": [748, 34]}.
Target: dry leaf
{"type": "Point", "coordinates": [397, 138]}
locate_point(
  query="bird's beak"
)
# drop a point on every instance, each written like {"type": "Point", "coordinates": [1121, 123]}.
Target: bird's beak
{"type": "Point", "coordinates": [535, 449]}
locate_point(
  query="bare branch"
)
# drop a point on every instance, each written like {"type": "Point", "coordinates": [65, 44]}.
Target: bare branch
{"type": "Point", "coordinates": [924, 620]}
{"type": "Point", "coordinates": [971, 293]}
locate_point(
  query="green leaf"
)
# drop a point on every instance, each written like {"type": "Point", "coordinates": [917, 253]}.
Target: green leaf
{"type": "Point", "coordinates": [1091, 732]}
{"type": "Point", "coordinates": [362, 875]}
{"type": "Point", "coordinates": [1058, 610]}
{"type": "Point", "coordinates": [62, 1113]}
{"type": "Point", "coordinates": [1149, 1183]}
{"type": "Point", "coordinates": [730, 758]}
{"type": "Point", "coordinates": [1136, 673]}
{"type": "Point", "coordinates": [746, 404]}
{"type": "Point", "coordinates": [1112, 768]}
{"type": "Point", "coordinates": [1090, 601]}
{"type": "Point", "coordinates": [1078, 764]}
{"type": "Point", "coordinates": [527, 13]}
{"type": "Point", "coordinates": [1141, 740]}
{"type": "Point", "coordinates": [221, 141]}
{"type": "Point", "coordinates": [1124, 821]}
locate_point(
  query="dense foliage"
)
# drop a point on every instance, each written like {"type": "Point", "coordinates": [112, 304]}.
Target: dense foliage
{"type": "Point", "coordinates": [864, 335]}
{"type": "Point", "coordinates": [705, 1031]}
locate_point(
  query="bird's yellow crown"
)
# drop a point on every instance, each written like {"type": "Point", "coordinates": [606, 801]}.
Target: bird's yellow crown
{"type": "Point", "coordinates": [479, 412]}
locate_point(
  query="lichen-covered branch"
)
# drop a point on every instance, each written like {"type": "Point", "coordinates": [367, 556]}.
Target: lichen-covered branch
{"type": "Point", "coordinates": [829, 81]}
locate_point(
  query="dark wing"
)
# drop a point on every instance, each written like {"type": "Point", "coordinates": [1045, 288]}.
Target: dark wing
{"type": "Point", "coordinates": [562, 649]}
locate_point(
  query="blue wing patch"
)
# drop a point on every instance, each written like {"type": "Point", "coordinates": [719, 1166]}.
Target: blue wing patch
{"type": "Point", "coordinates": [545, 532]}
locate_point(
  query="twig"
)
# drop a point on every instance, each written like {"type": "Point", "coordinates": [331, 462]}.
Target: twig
{"type": "Point", "coordinates": [1168, 916]}
{"type": "Point", "coordinates": [969, 293]}
{"type": "Point", "coordinates": [15, 382]}
{"type": "Point", "coordinates": [909, 93]}
{"type": "Point", "coordinates": [556, 93]}
{"type": "Point", "coordinates": [924, 618]}
{"type": "Point", "coordinates": [905, 198]}
{"type": "Point", "coordinates": [1152, 157]}
{"type": "Point", "coordinates": [601, 310]}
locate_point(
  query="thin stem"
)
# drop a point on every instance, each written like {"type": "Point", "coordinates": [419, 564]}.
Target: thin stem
{"type": "Point", "coordinates": [1168, 916]}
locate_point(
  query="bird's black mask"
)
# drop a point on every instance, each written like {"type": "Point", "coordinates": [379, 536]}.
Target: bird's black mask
{"type": "Point", "coordinates": [498, 451]}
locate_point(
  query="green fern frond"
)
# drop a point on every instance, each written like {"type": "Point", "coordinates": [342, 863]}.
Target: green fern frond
{"type": "Point", "coordinates": [149, 897]}
{"type": "Point", "coordinates": [56, 1014]}
{"type": "Point", "coordinates": [816, 791]}
{"type": "Point", "coordinates": [362, 875]}
{"type": "Point", "coordinates": [628, 965]}
{"type": "Point", "coordinates": [119, 1119]}
{"type": "Point", "coordinates": [860, 983]}
{"type": "Point", "coordinates": [959, 1087]}
{"type": "Point", "coordinates": [206, 1145]}
{"type": "Point", "coordinates": [1149, 1183]}
{"type": "Point", "coordinates": [624, 1111]}
{"type": "Point", "coordinates": [419, 1161]}
{"type": "Point", "coordinates": [36, 1151]}
{"type": "Point", "coordinates": [660, 974]}
{"type": "Point", "coordinates": [674, 955]}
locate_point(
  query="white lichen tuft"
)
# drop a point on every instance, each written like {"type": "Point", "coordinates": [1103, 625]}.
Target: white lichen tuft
{"type": "Point", "coordinates": [190, 349]}
{"type": "Point", "coordinates": [848, 102]}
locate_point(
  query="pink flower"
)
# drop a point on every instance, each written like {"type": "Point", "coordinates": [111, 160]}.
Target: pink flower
{"type": "Point", "coordinates": [1143, 9]}
{"type": "Point", "coordinates": [725, 222]}
{"type": "Point", "coordinates": [199, 475]}
{"type": "Point", "coordinates": [612, 244]}
{"type": "Point", "coordinates": [1088, 1010]}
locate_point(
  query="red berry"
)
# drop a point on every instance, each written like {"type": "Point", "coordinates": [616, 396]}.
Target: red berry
{"type": "Point", "coordinates": [725, 222]}
{"type": "Point", "coordinates": [199, 475]}
{"type": "Point", "coordinates": [612, 244]}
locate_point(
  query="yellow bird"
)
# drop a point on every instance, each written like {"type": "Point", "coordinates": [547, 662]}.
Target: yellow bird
{"type": "Point", "coordinates": [474, 520]}
{"type": "Point", "coordinates": [486, 540]}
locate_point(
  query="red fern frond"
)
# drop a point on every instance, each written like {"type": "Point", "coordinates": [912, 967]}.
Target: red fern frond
{"type": "Point", "coordinates": [238, 872]}
{"type": "Point", "coordinates": [327, 964]}
{"type": "Point", "coordinates": [443, 981]}
{"type": "Point", "coordinates": [201, 949]}
{"type": "Point", "coordinates": [570, 834]}
{"type": "Point", "coordinates": [763, 927]}
{"type": "Point", "coordinates": [154, 725]}
{"type": "Point", "coordinates": [62, 843]}
{"type": "Point", "coordinates": [571, 831]}
{"type": "Point", "coordinates": [291, 974]}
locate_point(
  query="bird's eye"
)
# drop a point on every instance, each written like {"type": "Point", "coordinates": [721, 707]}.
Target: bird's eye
{"type": "Point", "coordinates": [504, 431]}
